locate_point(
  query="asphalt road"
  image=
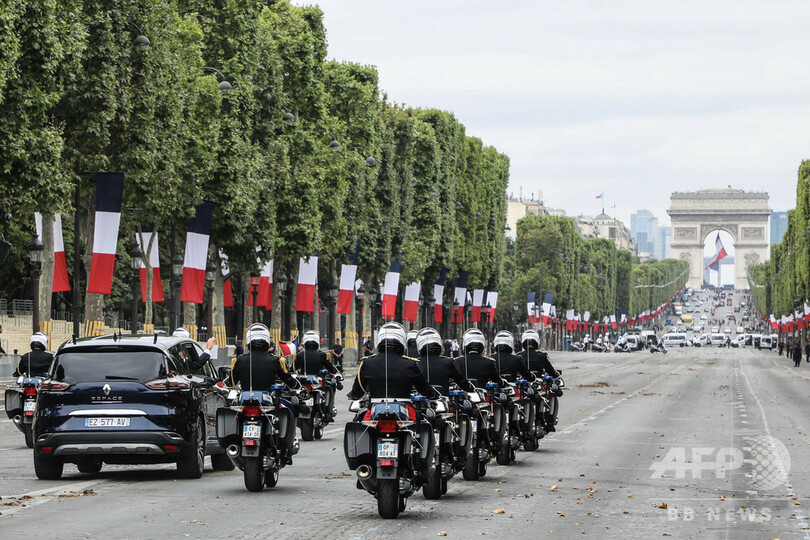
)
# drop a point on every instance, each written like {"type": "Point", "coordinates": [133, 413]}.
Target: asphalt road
{"type": "Point", "coordinates": [610, 469]}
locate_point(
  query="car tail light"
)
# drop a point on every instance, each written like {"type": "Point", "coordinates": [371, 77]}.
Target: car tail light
{"type": "Point", "coordinates": [172, 383]}
{"type": "Point", "coordinates": [171, 447]}
{"type": "Point", "coordinates": [386, 463]}
{"type": "Point", "coordinates": [30, 391]}
{"type": "Point", "coordinates": [52, 386]}
{"type": "Point", "coordinates": [251, 410]}
{"type": "Point", "coordinates": [46, 449]}
{"type": "Point", "coordinates": [387, 426]}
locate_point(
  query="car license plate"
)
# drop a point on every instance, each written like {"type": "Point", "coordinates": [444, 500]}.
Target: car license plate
{"type": "Point", "coordinates": [251, 431]}
{"type": "Point", "coordinates": [30, 406]}
{"type": "Point", "coordinates": [387, 449]}
{"type": "Point", "coordinates": [106, 422]}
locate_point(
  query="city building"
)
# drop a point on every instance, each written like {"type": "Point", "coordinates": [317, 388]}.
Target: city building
{"type": "Point", "coordinates": [517, 208]}
{"type": "Point", "coordinates": [644, 229]}
{"type": "Point", "coordinates": [604, 226]}
{"type": "Point", "coordinates": [779, 222]}
{"type": "Point", "coordinates": [662, 243]}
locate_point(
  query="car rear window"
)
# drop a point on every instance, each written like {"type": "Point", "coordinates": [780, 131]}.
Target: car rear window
{"type": "Point", "coordinates": [109, 365]}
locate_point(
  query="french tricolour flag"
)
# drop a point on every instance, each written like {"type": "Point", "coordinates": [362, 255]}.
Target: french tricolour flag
{"type": "Point", "coordinates": [613, 321]}
{"type": "Point", "coordinates": [390, 291]}
{"type": "Point", "coordinates": [61, 282]}
{"type": "Point", "coordinates": [307, 283]}
{"type": "Point", "coordinates": [227, 290]}
{"type": "Point", "coordinates": [545, 309]}
{"type": "Point", "coordinates": [348, 275]}
{"type": "Point", "coordinates": [264, 297]}
{"type": "Point", "coordinates": [196, 257]}
{"type": "Point", "coordinates": [720, 255]}
{"type": "Point", "coordinates": [438, 295]}
{"type": "Point", "coordinates": [146, 236]}
{"type": "Point", "coordinates": [477, 302]}
{"type": "Point", "coordinates": [411, 304]}
{"type": "Point", "coordinates": [460, 296]}
{"type": "Point", "coordinates": [530, 303]}
{"type": "Point", "coordinates": [109, 191]}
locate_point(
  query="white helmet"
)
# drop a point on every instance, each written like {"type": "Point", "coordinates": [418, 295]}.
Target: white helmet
{"type": "Point", "coordinates": [39, 339]}
{"type": "Point", "coordinates": [257, 334]}
{"type": "Point", "coordinates": [504, 339]}
{"type": "Point", "coordinates": [412, 336]}
{"type": "Point", "coordinates": [530, 336]}
{"type": "Point", "coordinates": [426, 337]}
{"type": "Point", "coordinates": [181, 332]}
{"type": "Point", "coordinates": [392, 333]}
{"type": "Point", "coordinates": [474, 338]}
{"type": "Point", "coordinates": [311, 336]}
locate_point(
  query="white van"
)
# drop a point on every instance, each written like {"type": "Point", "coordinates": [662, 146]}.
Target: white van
{"type": "Point", "coordinates": [674, 340]}
{"type": "Point", "coordinates": [766, 342]}
{"type": "Point", "coordinates": [717, 340]}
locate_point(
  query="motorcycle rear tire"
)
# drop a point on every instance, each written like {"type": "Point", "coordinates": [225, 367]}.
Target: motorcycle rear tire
{"type": "Point", "coordinates": [254, 474]}
{"type": "Point", "coordinates": [433, 487]}
{"type": "Point", "coordinates": [307, 429]}
{"type": "Point", "coordinates": [388, 498]}
{"type": "Point", "coordinates": [28, 431]}
{"type": "Point", "coordinates": [506, 456]}
{"type": "Point", "coordinates": [471, 471]}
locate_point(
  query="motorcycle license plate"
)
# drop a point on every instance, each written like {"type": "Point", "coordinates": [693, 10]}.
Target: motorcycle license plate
{"type": "Point", "coordinates": [251, 431]}
{"type": "Point", "coordinates": [309, 401]}
{"type": "Point", "coordinates": [387, 449]}
{"type": "Point", "coordinates": [474, 425]}
{"type": "Point", "coordinates": [106, 422]}
{"type": "Point", "coordinates": [30, 406]}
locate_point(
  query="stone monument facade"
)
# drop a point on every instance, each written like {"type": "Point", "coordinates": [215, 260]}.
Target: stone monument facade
{"type": "Point", "coordinates": [695, 215]}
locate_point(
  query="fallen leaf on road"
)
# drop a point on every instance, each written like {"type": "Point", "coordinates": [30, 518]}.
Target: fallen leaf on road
{"type": "Point", "coordinates": [499, 511]}
{"type": "Point", "coordinates": [497, 490]}
{"type": "Point", "coordinates": [561, 514]}
{"type": "Point", "coordinates": [553, 488]}
{"type": "Point", "coordinates": [443, 533]}
{"type": "Point", "coordinates": [663, 506]}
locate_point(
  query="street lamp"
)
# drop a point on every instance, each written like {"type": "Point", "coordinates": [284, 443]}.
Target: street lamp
{"type": "Point", "coordinates": [334, 292]}
{"type": "Point", "coordinates": [135, 259]}
{"type": "Point", "coordinates": [359, 297]}
{"type": "Point", "coordinates": [447, 306]}
{"type": "Point", "coordinates": [177, 273]}
{"type": "Point", "coordinates": [35, 249]}
{"type": "Point", "coordinates": [210, 277]}
{"type": "Point", "coordinates": [141, 42]}
{"type": "Point", "coordinates": [281, 282]}
{"type": "Point", "coordinates": [224, 85]}
{"type": "Point", "coordinates": [254, 292]}
{"type": "Point", "coordinates": [453, 316]}
{"type": "Point", "coordinates": [372, 302]}
{"type": "Point", "coordinates": [430, 301]}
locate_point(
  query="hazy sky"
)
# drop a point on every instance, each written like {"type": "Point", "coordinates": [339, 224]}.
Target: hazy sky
{"type": "Point", "coordinates": [633, 98]}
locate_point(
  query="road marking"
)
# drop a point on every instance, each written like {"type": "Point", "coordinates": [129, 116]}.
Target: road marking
{"type": "Point", "coordinates": [781, 466]}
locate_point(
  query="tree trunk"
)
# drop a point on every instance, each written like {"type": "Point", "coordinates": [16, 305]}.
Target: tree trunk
{"type": "Point", "coordinates": [46, 279]}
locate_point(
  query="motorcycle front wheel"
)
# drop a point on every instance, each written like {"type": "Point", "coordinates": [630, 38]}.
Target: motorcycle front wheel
{"type": "Point", "coordinates": [254, 473]}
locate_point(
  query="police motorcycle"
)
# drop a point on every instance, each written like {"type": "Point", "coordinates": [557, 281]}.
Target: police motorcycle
{"type": "Point", "coordinates": [548, 390]}
{"type": "Point", "coordinates": [21, 402]}
{"type": "Point", "coordinates": [258, 428]}
{"type": "Point", "coordinates": [452, 431]}
{"type": "Point", "coordinates": [317, 411]}
{"type": "Point", "coordinates": [390, 443]}
{"type": "Point", "coordinates": [488, 418]}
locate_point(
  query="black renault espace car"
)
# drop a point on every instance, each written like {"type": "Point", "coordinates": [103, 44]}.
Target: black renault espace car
{"type": "Point", "coordinates": [131, 399]}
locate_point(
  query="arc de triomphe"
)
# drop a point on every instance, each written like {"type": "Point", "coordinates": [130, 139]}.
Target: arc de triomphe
{"type": "Point", "coordinates": [695, 215]}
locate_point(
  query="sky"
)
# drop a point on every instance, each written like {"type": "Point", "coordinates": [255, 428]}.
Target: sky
{"type": "Point", "coordinates": [635, 99]}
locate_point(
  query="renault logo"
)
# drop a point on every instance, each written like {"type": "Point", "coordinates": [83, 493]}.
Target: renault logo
{"type": "Point", "coordinates": [106, 389]}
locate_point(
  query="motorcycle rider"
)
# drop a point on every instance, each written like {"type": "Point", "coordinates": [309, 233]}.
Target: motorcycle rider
{"type": "Point", "coordinates": [438, 369]}
{"type": "Point", "coordinates": [37, 362]}
{"type": "Point", "coordinates": [479, 369]}
{"type": "Point", "coordinates": [538, 362]}
{"type": "Point", "coordinates": [257, 369]}
{"type": "Point", "coordinates": [389, 373]}
{"type": "Point", "coordinates": [312, 360]}
{"type": "Point", "coordinates": [413, 350]}
{"type": "Point", "coordinates": [509, 364]}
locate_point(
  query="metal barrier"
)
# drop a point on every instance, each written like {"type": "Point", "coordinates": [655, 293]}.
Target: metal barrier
{"type": "Point", "coordinates": [3, 306]}
{"type": "Point", "coordinates": [22, 307]}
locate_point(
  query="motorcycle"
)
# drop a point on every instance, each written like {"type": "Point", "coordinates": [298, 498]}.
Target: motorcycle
{"type": "Point", "coordinates": [256, 431]}
{"type": "Point", "coordinates": [452, 435]}
{"type": "Point", "coordinates": [488, 421]}
{"type": "Point", "coordinates": [660, 348]}
{"type": "Point", "coordinates": [21, 406]}
{"type": "Point", "coordinates": [596, 347]}
{"type": "Point", "coordinates": [316, 412]}
{"type": "Point", "coordinates": [549, 403]}
{"type": "Point", "coordinates": [531, 423]}
{"type": "Point", "coordinates": [577, 346]}
{"type": "Point", "coordinates": [514, 426]}
{"type": "Point", "coordinates": [390, 447]}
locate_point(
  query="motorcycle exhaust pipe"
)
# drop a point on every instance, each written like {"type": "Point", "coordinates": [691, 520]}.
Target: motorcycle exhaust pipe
{"type": "Point", "coordinates": [365, 475]}
{"type": "Point", "coordinates": [233, 451]}
{"type": "Point", "coordinates": [17, 419]}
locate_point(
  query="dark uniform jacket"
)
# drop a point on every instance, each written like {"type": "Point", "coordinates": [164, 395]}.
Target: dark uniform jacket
{"type": "Point", "coordinates": [439, 369]}
{"type": "Point", "coordinates": [412, 351]}
{"type": "Point", "coordinates": [479, 369]}
{"type": "Point", "coordinates": [403, 374]}
{"type": "Point", "coordinates": [40, 363]}
{"type": "Point", "coordinates": [312, 361]}
{"type": "Point", "coordinates": [510, 365]}
{"type": "Point", "coordinates": [538, 362]}
{"type": "Point", "coordinates": [267, 370]}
